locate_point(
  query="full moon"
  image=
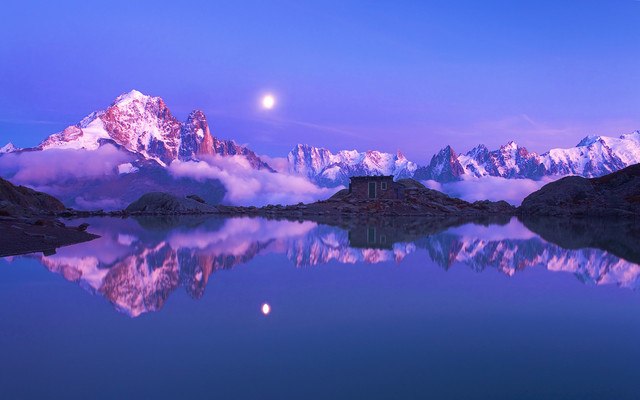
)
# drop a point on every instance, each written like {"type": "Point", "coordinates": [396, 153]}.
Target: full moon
{"type": "Point", "coordinates": [268, 102]}
{"type": "Point", "coordinates": [266, 309]}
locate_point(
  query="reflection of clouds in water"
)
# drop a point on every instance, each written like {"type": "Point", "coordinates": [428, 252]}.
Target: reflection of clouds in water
{"type": "Point", "coordinates": [118, 238]}
{"type": "Point", "coordinates": [512, 230]}
{"type": "Point", "coordinates": [238, 234]}
{"type": "Point", "coordinates": [126, 240]}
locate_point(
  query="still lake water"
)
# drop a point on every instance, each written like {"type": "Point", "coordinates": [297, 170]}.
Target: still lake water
{"type": "Point", "coordinates": [174, 309]}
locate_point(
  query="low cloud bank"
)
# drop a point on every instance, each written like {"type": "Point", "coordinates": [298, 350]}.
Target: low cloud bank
{"type": "Point", "coordinates": [43, 168]}
{"type": "Point", "coordinates": [491, 188]}
{"type": "Point", "coordinates": [238, 235]}
{"type": "Point", "coordinates": [65, 173]}
{"type": "Point", "coordinates": [248, 186]}
{"type": "Point", "coordinates": [280, 164]}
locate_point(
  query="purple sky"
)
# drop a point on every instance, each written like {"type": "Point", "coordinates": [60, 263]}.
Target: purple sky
{"type": "Point", "coordinates": [413, 76]}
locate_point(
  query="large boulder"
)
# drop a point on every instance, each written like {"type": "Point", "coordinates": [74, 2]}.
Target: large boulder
{"type": "Point", "coordinates": [165, 203]}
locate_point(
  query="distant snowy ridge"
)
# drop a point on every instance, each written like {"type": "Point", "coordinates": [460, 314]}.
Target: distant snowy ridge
{"type": "Point", "coordinates": [8, 148]}
{"type": "Point", "coordinates": [328, 169]}
{"type": "Point", "coordinates": [593, 156]}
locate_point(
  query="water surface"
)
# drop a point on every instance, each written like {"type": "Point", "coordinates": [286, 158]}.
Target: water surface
{"type": "Point", "coordinates": [172, 308]}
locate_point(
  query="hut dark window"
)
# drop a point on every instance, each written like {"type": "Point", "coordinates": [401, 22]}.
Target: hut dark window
{"type": "Point", "coordinates": [371, 235]}
{"type": "Point", "coordinates": [383, 185]}
{"type": "Point", "coordinates": [372, 190]}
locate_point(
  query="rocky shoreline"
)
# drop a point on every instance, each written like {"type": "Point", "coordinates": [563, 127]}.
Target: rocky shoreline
{"type": "Point", "coordinates": [40, 235]}
{"type": "Point", "coordinates": [28, 222]}
{"type": "Point", "coordinates": [417, 200]}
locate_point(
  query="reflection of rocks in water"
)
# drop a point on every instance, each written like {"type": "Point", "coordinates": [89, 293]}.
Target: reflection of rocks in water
{"type": "Point", "coordinates": [168, 222]}
{"type": "Point", "coordinates": [142, 282]}
{"type": "Point", "coordinates": [137, 266]}
{"type": "Point", "coordinates": [509, 256]}
{"type": "Point", "coordinates": [384, 232]}
{"type": "Point", "coordinates": [505, 255]}
{"type": "Point", "coordinates": [325, 243]}
{"type": "Point", "coordinates": [619, 236]}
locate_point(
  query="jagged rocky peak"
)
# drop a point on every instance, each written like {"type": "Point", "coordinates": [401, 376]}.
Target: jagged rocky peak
{"type": "Point", "coordinates": [478, 153]}
{"type": "Point", "coordinates": [196, 136]}
{"type": "Point", "coordinates": [588, 140]}
{"type": "Point", "coordinates": [448, 151]}
{"type": "Point", "coordinates": [7, 148]}
{"type": "Point", "coordinates": [444, 167]}
{"type": "Point", "coordinates": [308, 160]}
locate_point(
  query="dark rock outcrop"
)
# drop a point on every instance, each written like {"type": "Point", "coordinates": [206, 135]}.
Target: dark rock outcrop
{"type": "Point", "coordinates": [27, 223]}
{"type": "Point", "coordinates": [416, 200]}
{"type": "Point", "coordinates": [615, 194]}
{"type": "Point", "coordinates": [165, 203]}
{"type": "Point", "coordinates": [20, 200]}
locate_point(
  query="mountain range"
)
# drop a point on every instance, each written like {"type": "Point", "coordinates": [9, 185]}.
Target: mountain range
{"type": "Point", "coordinates": [144, 129]}
{"type": "Point", "coordinates": [148, 138]}
{"type": "Point", "coordinates": [593, 156]}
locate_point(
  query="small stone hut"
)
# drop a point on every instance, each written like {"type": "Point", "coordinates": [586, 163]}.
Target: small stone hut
{"type": "Point", "coordinates": [375, 187]}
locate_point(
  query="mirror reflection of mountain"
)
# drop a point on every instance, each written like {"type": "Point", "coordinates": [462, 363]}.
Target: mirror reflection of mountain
{"type": "Point", "coordinates": [619, 236]}
{"type": "Point", "coordinates": [137, 263]}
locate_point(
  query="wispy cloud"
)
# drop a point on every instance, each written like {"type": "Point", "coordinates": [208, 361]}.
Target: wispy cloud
{"type": "Point", "coordinates": [37, 168]}
{"type": "Point", "coordinates": [318, 127]}
{"type": "Point", "coordinates": [491, 188]}
{"type": "Point", "coordinates": [248, 186]}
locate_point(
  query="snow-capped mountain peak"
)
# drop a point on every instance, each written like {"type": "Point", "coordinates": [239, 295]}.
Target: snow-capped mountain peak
{"type": "Point", "coordinates": [633, 136]}
{"type": "Point", "coordinates": [7, 148]}
{"type": "Point", "coordinates": [587, 140]}
{"type": "Point", "coordinates": [132, 96]}
{"type": "Point", "coordinates": [511, 145]}
{"type": "Point", "coordinates": [145, 126]}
